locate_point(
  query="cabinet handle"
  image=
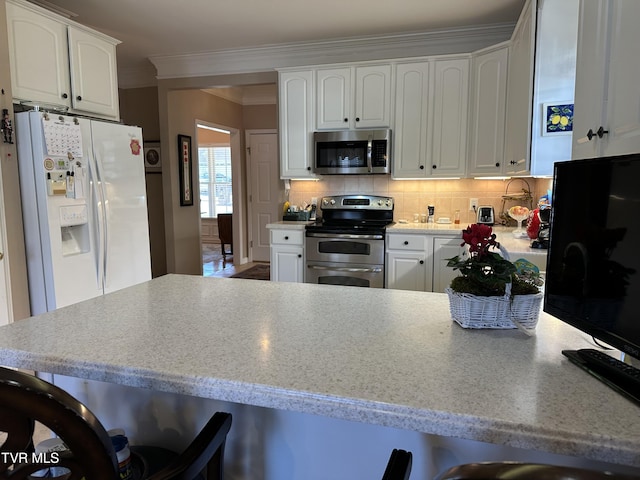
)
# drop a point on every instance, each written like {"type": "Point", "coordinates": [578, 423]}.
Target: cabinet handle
{"type": "Point", "coordinates": [513, 162]}
{"type": "Point", "coordinates": [406, 242]}
{"type": "Point", "coordinates": [309, 168]}
{"type": "Point", "coordinates": [78, 98]}
{"type": "Point", "coordinates": [600, 133]}
{"type": "Point", "coordinates": [421, 262]}
{"type": "Point", "coordinates": [64, 95]}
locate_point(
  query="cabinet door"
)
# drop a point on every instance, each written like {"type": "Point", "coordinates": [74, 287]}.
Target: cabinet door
{"type": "Point", "coordinates": [412, 132]}
{"type": "Point", "coordinates": [287, 264]}
{"type": "Point", "coordinates": [94, 76]}
{"type": "Point", "coordinates": [407, 271]}
{"type": "Point", "coordinates": [520, 92]}
{"type": "Point", "coordinates": [334, 98]}
{"type": "Point", "coordinates": [590, 77]}
{"type": "Point", "coordinates": [38, 57]}
{"type": "Point", "coordinates": [623, 105]}
{"type": "Point", "coordinates": [296, 124]}
{"type": "Point", "coordinates": [373, 97]}
{"type": "Point", "coordinates": [443, 249]}
{"type": "Point", "coordinates": [488, 106]}
{"type": "Point", "coordinates": [450, 115]}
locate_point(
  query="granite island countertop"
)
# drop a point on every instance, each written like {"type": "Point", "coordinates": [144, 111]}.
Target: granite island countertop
{"type": "Point", "coordinates": [398, 360]}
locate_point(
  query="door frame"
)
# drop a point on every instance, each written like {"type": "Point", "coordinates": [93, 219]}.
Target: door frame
{"type": "Point", "coordinates": [237, 190]}
{"type": "Point", "coordinates": [248, 133]}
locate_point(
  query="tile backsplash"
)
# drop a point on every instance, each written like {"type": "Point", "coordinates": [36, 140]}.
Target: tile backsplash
{"type": "Point", "coordinates": [413, 196]}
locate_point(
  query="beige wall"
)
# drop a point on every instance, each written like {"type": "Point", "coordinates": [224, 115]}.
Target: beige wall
{"type": "Point", "coordinates": [183, 109]}
{"type": "Point", "coordinates": [14, 260]}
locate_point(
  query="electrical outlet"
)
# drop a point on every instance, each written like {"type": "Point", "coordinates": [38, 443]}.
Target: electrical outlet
{"type": "Point", "coordinates": [473, 204]}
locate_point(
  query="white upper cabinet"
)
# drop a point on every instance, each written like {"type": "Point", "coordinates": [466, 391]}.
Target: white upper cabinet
{"type": "Point", "coordinates": [94, 74]}
{"type": "Point", "coordinates": [487, 111]}
{"type": "Point", "coordinates": [607, 96]}
{"type": "Point", "coordinates": [55, 62]}
{"type": "Point", "coordinates": [520, 93]}
{"type": "Point", "coordinates": [353, 97]}
{"type": "Point", "coordinates": [412, 129]}
{"type": "Point", "coordinates": [296, 123]}
{"type": "Point", "coordinates": [430, 130]}
{"type": "Point", "coordinates": [451, 106]}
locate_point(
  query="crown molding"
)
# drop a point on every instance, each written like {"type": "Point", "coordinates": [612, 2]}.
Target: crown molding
{"type": "Point", "coordinates": [268, 58]}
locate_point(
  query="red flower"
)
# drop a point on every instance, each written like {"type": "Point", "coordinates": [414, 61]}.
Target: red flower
{"type": "Point", "coordinates": [479, 237]}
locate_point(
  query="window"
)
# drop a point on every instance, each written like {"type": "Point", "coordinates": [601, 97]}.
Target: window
{"type": "Point", "coordinates": [215, 180]}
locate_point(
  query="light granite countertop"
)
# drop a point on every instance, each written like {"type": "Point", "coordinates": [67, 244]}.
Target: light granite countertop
{"type": "Point", "coordinates": [382, 357]}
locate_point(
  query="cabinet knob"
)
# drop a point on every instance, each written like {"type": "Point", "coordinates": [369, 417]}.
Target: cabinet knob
{"type": "Point", "coordinates": [406, 242]}
{"type": "Point", "coordinates": [357, 119]}
{"type": "Point", "coordinates": [346, 119]}
{"type": "Point", "coordinates": [299, 255]}
{"type": "Point", "coordinates": [78, 98]}
{"type": "Point", "coordinates": [421, 167]}
{"type": "Point", "coordinates": [64, 95]}
{"type": "Point", "coordinates": [497, 164]}
{"type": "Point", "coordinates": [309, 168]}
{"type": "Point", "coordinates": [434, 166]}
{"type": "Point", "coordinates": [513, 162]}
{"type": "Point", "coordinates": [421, 262]}
{"type": "Point", "coordinates": [286, 238]}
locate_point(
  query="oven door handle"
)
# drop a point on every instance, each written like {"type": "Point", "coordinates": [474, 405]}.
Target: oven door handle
{"type": "Point", "coordinates": [346, 269]}
{"type": "Point", "coordinates": [369, 153]}
{"type": "Point", "coordinates": [340, 236]}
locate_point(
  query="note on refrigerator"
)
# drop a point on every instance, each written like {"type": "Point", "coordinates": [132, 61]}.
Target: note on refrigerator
{"type": "Point", "coordinates": [63, 138]}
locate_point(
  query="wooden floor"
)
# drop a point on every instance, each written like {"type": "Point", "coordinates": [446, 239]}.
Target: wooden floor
{"type": "Point", "coordinates": [214, 265]}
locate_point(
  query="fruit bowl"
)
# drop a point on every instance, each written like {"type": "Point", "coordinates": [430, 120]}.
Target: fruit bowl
{"type": "Point", "coordinates": [519, 214]}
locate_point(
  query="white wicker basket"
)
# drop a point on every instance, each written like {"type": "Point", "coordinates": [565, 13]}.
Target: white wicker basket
{"type": "Point", "coordinates": [471, 311]}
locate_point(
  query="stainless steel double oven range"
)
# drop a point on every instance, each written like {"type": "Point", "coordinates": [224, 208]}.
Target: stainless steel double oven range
{"type": "Point", "coordinates": [346, 245]}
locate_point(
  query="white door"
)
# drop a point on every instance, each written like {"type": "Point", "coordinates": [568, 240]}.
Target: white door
{"type": "Point", "coordinates": [264, 205]}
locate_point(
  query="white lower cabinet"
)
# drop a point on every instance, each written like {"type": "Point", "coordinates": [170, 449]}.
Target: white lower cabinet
{"type": "Point", "coordinates": [445, 248]}
{"type": "Point", "coordinates": [287, 255]}
{"type": "Point", "coordinates": [417, 261]}
{"type": "Point", "coordinates": [408, 265]}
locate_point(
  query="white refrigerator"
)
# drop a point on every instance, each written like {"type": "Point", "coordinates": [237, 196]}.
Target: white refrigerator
{"type": "Point", "coordinates": [84, 207]}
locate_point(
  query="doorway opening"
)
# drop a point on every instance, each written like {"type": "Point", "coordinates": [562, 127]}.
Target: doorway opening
{"type": "Point", "coordinates": [215, 178]}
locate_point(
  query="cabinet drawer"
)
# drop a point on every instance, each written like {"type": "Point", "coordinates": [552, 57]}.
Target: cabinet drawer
{"type": "Point", "coordinates": [407, 242]}
{"type": "Point", "coordinates": [287, 237]}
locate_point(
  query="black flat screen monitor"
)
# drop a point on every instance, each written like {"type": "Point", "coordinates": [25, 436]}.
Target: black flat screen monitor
{"type": "Point", "coordinates": [593, 264]}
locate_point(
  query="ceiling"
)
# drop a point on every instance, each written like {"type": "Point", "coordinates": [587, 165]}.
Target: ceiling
{"type": "Point", "coordinates": [152, 28]}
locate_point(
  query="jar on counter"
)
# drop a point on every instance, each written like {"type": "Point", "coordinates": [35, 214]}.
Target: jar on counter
{"type": "Point", "coordinates": [121, 446]}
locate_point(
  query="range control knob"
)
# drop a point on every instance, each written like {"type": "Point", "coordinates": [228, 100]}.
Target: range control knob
{"type": "Point", "coordinates": [332, 202]}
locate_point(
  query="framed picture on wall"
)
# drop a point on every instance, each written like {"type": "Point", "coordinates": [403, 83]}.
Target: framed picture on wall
{"type": "Point", "coordinates": [152, 159]}
{"type": "Point", "coordinates": [186, 168]}
{"type": "Point", "coordinates": [557, 118]}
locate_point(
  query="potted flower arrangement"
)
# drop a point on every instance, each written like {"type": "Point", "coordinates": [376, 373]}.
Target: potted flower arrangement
{"type": "Point", "coordinates": [491, 291]}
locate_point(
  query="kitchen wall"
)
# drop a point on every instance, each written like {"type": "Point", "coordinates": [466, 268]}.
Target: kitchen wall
{"type": "Point", "coordinates": [413, 196]}
{"type": "Point", "coordinates": [11, 236]}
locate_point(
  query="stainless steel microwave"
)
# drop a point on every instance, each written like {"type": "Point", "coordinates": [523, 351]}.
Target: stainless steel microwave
{"type": "Point", "coordinates": [352, 152]}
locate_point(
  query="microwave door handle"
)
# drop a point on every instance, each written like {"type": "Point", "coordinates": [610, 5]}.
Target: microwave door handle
{"type": "Point", "coordinates": [369, 150]}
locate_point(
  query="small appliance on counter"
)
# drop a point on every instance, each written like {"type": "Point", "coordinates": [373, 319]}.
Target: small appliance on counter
{"type": "Point", "coordinates": [486, 215]}
{"type": "Point", "coordinates": [544, 228]}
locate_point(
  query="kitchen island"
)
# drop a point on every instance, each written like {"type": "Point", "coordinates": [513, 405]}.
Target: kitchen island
{"type": "Point", "coordinates": [363, 370]}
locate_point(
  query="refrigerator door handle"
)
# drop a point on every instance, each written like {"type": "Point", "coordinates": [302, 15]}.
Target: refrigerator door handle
{"type": "Point", "coordinates": [99, 199]}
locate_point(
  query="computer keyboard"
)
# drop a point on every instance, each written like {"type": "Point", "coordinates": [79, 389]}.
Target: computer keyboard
{"type": "Point", "coordinates": [615, 373]}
